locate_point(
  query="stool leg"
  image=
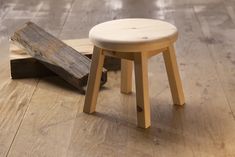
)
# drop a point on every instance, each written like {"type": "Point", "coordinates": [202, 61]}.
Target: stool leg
{"type": "Point", "coordinates": [142, 95]}
{"type": "Point", "coordinates": [126, 76]}
{"type": "Point", "coordinates": [94, 80]}
{"type": "Point", "coordinates": [173, 76]}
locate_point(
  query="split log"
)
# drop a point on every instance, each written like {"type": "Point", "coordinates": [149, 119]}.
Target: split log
{"type": "Point", "coordinates": [54, 54]}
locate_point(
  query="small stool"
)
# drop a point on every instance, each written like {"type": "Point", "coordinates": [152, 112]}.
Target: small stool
{"type": "Point", "coordinates": [134, 40]}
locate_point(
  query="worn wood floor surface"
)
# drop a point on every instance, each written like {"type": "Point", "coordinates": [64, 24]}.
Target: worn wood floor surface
{"type": "Point", "coordinates": [43, 117]}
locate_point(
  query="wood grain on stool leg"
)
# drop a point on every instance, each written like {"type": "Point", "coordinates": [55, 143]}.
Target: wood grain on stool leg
{"type": "Point", "coordinates": [142, 93]}
{"type": "Point", "coordinates": [173, 76]}
{"type": "Point", "coordinates": [126, 76]}
{"type": "Point", "coordinates": [94, 80]}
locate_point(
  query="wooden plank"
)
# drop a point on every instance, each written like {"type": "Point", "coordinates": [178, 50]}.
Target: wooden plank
{"type": "Point", "coordinates": [14, 101]}
{"type": "Point", "coordinates": [220, 43]}
{"type": "Point", "coordinates": [106, 131]}
{"type": "Point", "coordinates": [203, 125]}
{"type": "Point", "coordinates": [28, 68]}
{"type": "Point", "coordinates": [47, 125]}
{"type": "Point", "coordinates": [70, 65]}
{"type": "Point", "coordinates": [25, 66]}
{"type": "Point", "coordinates": [15, 95]}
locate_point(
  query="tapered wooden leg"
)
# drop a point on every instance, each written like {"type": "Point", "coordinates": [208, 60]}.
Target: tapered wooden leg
{"type": "Point", "coordinates": [94, 80]}
{"type": "Point", "coordinates": [126, 76]}
{"type": "Point", "coordinates": [142, 93]}
{"type": "Point", "coordinates": [173, 76]}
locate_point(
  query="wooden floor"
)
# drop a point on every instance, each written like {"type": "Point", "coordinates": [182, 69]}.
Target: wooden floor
{"type": "Point", "coordinates": [43, 117]}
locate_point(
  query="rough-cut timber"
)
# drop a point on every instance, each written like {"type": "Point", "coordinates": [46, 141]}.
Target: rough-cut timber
{"type": "Point", "coordinates": [28, 68]}
{"type": "Point", "coordinates": [60, 58]}
{"type": "Point", "coordinates": [25, 66]}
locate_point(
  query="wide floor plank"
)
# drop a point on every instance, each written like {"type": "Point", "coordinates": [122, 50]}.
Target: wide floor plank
{"type": "Point", "coordinates": [14, 100]}
{"type": "Point", "coordinates": [220, 39]}
{"type": "Point", "coordinates": [48, 123]}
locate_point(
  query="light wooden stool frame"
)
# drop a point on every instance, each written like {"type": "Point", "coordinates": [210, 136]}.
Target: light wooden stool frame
{"type": "Point", "coordinates": [140, 60]}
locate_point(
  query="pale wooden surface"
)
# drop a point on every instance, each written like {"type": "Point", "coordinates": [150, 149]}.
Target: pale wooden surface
{"type": "Point", "coordinates": [133, 35]}
{"type": "Point", "coordinates": [54, 124]}
{"type": "Point", "coordinates": [173, 76]}
{"type": "Point", "coordinates": [126, 76]}
{"type": "Point", "coordinates": [137, 39]}
{"type": "Point", "coordinates": [142, 89]}
{"type": "Point", "coordinates": [94, 79]}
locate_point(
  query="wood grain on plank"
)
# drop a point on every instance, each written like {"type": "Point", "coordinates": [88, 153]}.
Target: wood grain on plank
{"type": "Point", "coordinates": [24, 66]}
{"type": "Point", "coordinates": [14, 100]}
{"type": "Point", "coordinates": [126, 76]}
{"type": "Point", "coordinates": [219, 36]}
{"type": "Point", "coordinates": [48, 123]}
{"type": "Point", "coordinates": [142, 90]}
{"type": "Point", "coordinates": [55, 55]}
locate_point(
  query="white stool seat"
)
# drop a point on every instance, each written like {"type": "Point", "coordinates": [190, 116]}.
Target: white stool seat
{"type": "Point", "coordinates": [132, 35]}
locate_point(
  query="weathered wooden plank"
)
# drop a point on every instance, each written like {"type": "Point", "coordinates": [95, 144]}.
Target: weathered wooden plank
{"type": "Point", "coordinates": [28, 68]}
{"type": "Point", "coordinates": [25, 66]}
{"type": "Point", "coordinates": [55, 54]}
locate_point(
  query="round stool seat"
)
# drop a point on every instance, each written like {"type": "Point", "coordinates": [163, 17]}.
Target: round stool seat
{"type": "Point", "coordinates": [133, 35]}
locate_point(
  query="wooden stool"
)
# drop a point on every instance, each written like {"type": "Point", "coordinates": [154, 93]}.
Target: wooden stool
{"type": "Point", "coordinates": [134, 40]}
